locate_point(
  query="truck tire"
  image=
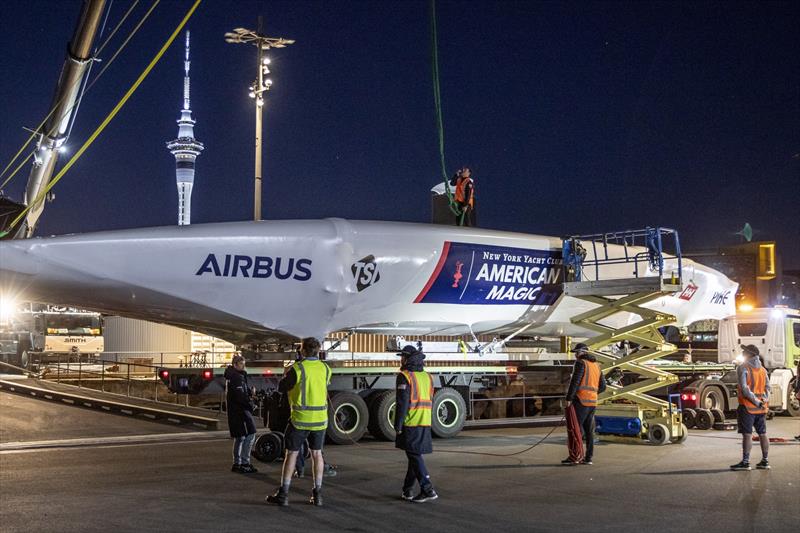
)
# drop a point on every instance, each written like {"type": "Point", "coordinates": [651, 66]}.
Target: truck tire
{"type": "Point", "coordinates": [712, 398]}
{"type": "Point", "coordinates": [449, 413]}
{"type": "Point", "coordinates": [689, 416]}
{"type": "Point", "coordinates": [268, 447]}
{"type": "Point", "coordinates": [658, 434]}
{"type": "Point", "coordinates": [704, 419]}
{"type": "Point", "coordinates": [381, 416]}
{"type": "Point", "coordinates": [683, 436]}
{"type": "Point", "coordinates": [718, 415]}
{"type": "Point", "coordinates": [347, 418]}
{"type": "Point", "coordinates": [792, 403]}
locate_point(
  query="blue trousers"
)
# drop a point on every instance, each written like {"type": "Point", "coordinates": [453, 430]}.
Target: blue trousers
{"type": "Point", "coordinates": [416, 472]}
{"type": "Point", "coordinates": [241, 449]}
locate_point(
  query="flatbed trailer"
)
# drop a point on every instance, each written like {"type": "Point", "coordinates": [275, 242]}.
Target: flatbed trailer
{"type": "Point", "coordinates": [362, 390]}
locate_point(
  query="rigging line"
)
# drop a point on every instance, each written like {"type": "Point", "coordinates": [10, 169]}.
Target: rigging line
{"type": "Point", "coordinates": [90, 85]}
{"type": "Point", "coordinates": [437, 101]}
{"type": "Point", "coordinates": [55, 106]}
{"type": "Point", "coordinates": [107, 120]}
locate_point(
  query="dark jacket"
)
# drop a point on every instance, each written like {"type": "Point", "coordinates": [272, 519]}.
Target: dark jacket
{"type": "Point", "coordinates": [241, 421]}
{"type": "Point", "coordinates": [577, 376]}
{"type": "Point", "coordinates": [411, 439]}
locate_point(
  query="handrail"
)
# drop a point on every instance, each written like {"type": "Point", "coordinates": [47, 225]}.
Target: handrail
{"type": "Point", "coordinates": [652, 239]}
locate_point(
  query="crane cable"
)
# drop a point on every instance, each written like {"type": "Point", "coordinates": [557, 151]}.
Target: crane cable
{"type": "Point", "coordinates": [55, 105]}
{"type": "Point", "coordinates": [437, 101]}
{"type": "Point", "coordinates": [106, 121]}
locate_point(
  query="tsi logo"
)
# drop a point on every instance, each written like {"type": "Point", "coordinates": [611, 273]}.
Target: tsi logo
{"type": "Point", "coordinates": [365, 272]}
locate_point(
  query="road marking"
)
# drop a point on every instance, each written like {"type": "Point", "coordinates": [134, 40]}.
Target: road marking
{"type": "Point", "coordinates": [12, 447]}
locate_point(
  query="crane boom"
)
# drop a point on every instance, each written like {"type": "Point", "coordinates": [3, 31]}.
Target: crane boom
{"type": "Point", "coordinates": [53, 134]}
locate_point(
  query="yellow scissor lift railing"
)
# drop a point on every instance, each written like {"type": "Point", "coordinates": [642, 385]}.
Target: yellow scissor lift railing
{"type": "Point", "coordinates": [626, 413]}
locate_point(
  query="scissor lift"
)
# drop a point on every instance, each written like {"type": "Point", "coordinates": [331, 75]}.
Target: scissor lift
{"type": "Point", "coordinates": [626, 413]}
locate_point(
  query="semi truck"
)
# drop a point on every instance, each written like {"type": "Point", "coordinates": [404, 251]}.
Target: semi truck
{"type": "Point", "coordinates": [710, 390]}
{"type": "Point", "coordinates": [32, 334]}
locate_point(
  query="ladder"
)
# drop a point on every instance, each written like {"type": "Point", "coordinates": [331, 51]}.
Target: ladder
{"type": "Point", "coordinates": [620, 272]}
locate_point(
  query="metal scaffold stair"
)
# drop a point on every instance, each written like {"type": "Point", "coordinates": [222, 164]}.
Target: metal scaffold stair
{"type": "Point", "coordinates": [626, 277]}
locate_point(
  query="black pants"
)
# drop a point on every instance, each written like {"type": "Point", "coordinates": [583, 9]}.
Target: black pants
{"type": "Point", "coordinates": [585, 417]}
{"type": "Point", "coordinates": [416, 472]}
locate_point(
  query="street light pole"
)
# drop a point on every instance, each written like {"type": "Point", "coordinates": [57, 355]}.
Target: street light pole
{"type": "Point", "coordinates": [257, 90]}
{"type": "Point", "coordinates": [259, 133]}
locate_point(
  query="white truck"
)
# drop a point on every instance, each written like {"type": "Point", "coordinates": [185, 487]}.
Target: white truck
{"type": "Point", "coordinates": [32, 334]}
{"type": "Point", "coordinates": [708, 390]}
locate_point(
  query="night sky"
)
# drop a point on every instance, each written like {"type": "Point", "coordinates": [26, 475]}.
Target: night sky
{"type": "Point", "coordinates": [575, 117]}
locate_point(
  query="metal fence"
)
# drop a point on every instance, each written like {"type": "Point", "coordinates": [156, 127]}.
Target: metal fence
{"type": "Point", "coordinates": [127, 378]}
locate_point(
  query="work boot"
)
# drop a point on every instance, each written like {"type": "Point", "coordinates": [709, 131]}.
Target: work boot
{"type": "Point", "coordinates": [248, 469]}
{"type": "Point", "coordinates": [763, 465]}
{"type": "Point", "coordinates": [569, 462]}
{"type": "Point", "coordinates": [407, 495]}
{"type": "Point", "coordinates": [741, 466]}
{"type": "Point", "coordinates": [316, 497]}
{"type": "Point", "coordinates": [425, 495]}
{"type": "Point", "coordinates": [279, 498]}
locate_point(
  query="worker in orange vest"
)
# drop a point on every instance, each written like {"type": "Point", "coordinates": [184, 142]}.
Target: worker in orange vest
{"type": "Point", "coordinates": [586, 383]}
{"type": "Point", "coordinates": [465, 197]}
{"type": "Point", "coordinates": [753, 394]}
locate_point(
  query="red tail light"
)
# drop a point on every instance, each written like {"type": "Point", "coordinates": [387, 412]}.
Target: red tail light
{"type": "Point", "coordinates": [207, 374]}
{"type": "Point", "coordinates": [164, 374]}
{"type": "Point", "coordinates": [694, 397]}
{"type": "Point", "coordinates": [267, 372]}
{"type": "Point", "coordinates": [684, 397]}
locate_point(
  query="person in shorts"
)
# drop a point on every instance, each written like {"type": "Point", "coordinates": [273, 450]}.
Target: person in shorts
{"type": "Point", "coordinates": [753, 394]}
{"type": "Point", "coordinates": [306, 383]}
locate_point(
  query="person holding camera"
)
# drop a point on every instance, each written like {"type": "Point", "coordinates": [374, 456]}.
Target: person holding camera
{"type": "Point", "coordinates": [241, 422]}
{"type": "Point", "coordinates": [306, 383]}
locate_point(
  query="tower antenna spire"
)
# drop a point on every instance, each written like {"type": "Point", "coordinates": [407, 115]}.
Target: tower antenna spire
{"type": "Point", "coordinates": [185, 149]}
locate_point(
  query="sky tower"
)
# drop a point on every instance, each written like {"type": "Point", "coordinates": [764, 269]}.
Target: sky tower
{"type": "Point", "coordinates": [185, 149]}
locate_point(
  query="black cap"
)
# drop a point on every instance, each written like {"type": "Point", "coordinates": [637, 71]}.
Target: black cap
{"type": "Point", "coordinates": [408, 350]}
{"type": "Point", "coordinates": [750, 349]}
{"type": "Point", "coordinates": [580, 347]}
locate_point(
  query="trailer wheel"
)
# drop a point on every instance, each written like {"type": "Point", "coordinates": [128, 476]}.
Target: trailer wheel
{"type": "Point", "coordinates": [689, 416]}
{"type": "Point", "coordinates": [381, 416]}
{"type": "Point", "coordinates": [658, 434]}
{"type": "Point", "coordinates": [683, 436]}
{"type": "Point", "coordinates": [792, 403]}
{"type": "Point", "coordinates": [347, 418]}
{"type": "Point", "coordinates": [704, 419]}
{"type": "Point", "coordinates": [712, 398]}
{"type": "Point", "coordinates": [269, 447]}
{"type": "Point", "coordinates": [449, 413]}
{"type": "Point", "coordinates": [718, 415]}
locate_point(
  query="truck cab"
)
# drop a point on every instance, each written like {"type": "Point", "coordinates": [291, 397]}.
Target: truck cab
{"type": "Point", "coordinates": [776, 334]}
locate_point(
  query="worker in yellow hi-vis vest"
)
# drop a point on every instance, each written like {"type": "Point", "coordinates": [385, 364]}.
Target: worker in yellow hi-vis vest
{"type": "Point", "coordinates": [306, 383]}
{"type": "Point", "coordinates": [412, 421]}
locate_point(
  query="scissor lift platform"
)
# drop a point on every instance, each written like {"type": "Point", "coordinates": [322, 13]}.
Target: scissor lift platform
{"type": "Point", "coordinates": [627, 413]}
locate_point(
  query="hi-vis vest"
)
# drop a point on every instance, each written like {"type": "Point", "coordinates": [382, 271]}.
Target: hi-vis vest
{"type": "Point", "coordinates": [461, 191]}
{"type": "Point", "coordinates": [421, 399]}
{"type": "Point", "coordinates": [757, 382]}
{"type": "Point", "coordinates": [309, 397]}
{"type": "Point", "coordinates": [587, 390]}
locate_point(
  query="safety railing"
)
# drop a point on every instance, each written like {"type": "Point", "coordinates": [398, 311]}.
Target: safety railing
{"type": "Point", "coordinates": [129, 379]}
{"type": "Point", "coordinates": [653, 240]}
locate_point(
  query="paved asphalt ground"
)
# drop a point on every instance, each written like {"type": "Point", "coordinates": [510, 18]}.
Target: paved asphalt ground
{"type": "Point", "coordinates": [182, 482]}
